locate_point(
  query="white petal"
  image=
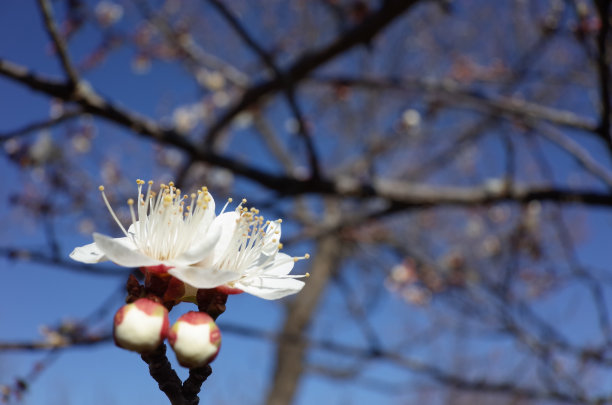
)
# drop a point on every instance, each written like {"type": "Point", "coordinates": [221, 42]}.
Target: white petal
{"type": "Point", "coordinates": [199, 250]}
{"type": "Point", "coordinates": [280, 265]}
{"type": "Point", "coordinates": [226, 222]}
{"type": "Point", "coordinates": [199, 277]}
{"type": "Point", "coordinates": [88, 254]}
{"type": "Point", "coordinates": [133, 228]}
{"type": "Point", "coordinates": [123, 251]}
{"type": "Point", "coordinates": [271, 288]}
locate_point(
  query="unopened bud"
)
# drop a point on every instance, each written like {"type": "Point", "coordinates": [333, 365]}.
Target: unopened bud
{"type": "Point", "coordinates": [141, 326]}
{"type": "Point", "coordinates": [195, 339]}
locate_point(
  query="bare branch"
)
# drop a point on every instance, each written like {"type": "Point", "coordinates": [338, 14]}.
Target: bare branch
{"type": "Point", "coordinates": [61, 344]}
{"type": "Point", "coordinates": [450, 92]}
{"type": "Point", "coordinates": [36, 126]}
{"type": "Point", "coordinates": [363, 33]}
{"type": "Point", "coordinates": [580, 154]}
{"type": "Point", "coordinates": [58, 42]}
{"type": "Point", "coordinates": [603, 69]}
{"type": "Point", "coordinates": [167, 379]}
{"type": "Point", "coordinates": [290, 354]}
{"type": "Point", "coordinates": [288, 86]}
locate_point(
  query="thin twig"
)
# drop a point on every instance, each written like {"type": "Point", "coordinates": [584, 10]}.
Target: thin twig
{"type": "Point", "coordinates": [288, 85]}
{"type": "Point", "coordinates": [58, 42]}
{"type": "Point", "coordinates": [38, 125]}
{"type": "Point", "coordinates": [362, 33]}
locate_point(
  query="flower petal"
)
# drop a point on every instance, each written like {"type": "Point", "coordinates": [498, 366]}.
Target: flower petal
{"type": "Point", "coordinates": [280, 265]}
{"type": "Point", "coordinates": [226, 222]}
{"type": "Point", "coordinates": [271, 288]}
{"type": "Point", "coordinates": [200, 277]}
{"type": "Point", "coordinates": [88, 254]}
{"type": "Point", "coordinates": [123, 251]}
{"type": "Point", "coordinates": [199, 250]}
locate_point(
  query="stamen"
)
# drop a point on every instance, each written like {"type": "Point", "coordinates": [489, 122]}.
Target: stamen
{"type": "Point", "coordinates": [101, 188]}
{"type": "Point", "coordinates": [132, 213]}
{"type": "Point", "coordinates": [229, 200]}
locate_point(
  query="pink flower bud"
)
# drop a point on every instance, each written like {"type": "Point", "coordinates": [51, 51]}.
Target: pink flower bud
{"type": "Point", "coordinates": [195, 339]}
{"type": "Point", "coordinates": [141, 326]}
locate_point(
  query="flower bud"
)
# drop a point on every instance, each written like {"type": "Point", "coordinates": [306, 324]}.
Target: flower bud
{"type": "Point", "coordinates": [141, 326]}
{"type": "Point", "coordinates": [195, 339]}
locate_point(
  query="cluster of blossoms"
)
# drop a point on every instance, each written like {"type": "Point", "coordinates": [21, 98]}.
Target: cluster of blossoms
{"type": "Point", "coordinates": [179, 242]}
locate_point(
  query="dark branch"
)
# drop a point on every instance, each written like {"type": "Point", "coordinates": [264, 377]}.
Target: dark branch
{"type": "Point", "coordinates": [35, 126]}
{"type": "Point", "coordinates": [363, 33]}
{"type": "Point", "coordinates": [58, 42]}
{"type": "Point", "coordinates": [603, 69]}
{"type": "Point", "coordinates": [288, 85]}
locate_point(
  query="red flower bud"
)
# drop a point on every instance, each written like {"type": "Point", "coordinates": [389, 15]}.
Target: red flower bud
{"type": "Point", "coordinates": [141, 326]}
{"type": "Point", "coordinates": [195, 338]}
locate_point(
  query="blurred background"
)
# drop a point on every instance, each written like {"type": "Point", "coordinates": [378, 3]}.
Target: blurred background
{"type": "Point", "coordinates": [447, 164]}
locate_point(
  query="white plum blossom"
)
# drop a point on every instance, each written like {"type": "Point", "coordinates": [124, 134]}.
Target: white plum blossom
{"type": "Point", "coordinates": [250, 246]}
{"type": "Point", "coordinates": [165, 232]}
{"type": "Point", "coordinates": [180, 235]}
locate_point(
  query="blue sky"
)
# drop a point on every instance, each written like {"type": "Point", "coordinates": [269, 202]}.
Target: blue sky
{"type": "Point", "coordinates": [35, 295]}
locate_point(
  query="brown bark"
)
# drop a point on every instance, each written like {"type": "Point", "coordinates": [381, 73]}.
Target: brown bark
{"type": "Point", "coordinates": [291, 351]}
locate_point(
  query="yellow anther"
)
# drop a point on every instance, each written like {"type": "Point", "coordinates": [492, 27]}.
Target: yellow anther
{"type": "Point", "coordinates": [193, 195]}
{"type": "Point", "coordinates": [279, 220]}
{"type": "Point", "coordinates": [280, 246]}
{"type": "Point", "coordinates": [101, 188]}
{"type": "Point", "coordinates": [307, 275]}
{"type": "Point", "coordinates": [171, 184]}
{"type": "Point", "coordinates": [130, 201]}
{"type": "Point", "coordinates": [230, 199]}
{"type": "Point", "coordinates": [306, 256]}
{"type": "Point", "coordinates": [244, 200]}
{"type": "Point", "coordinates": [150, 182]}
